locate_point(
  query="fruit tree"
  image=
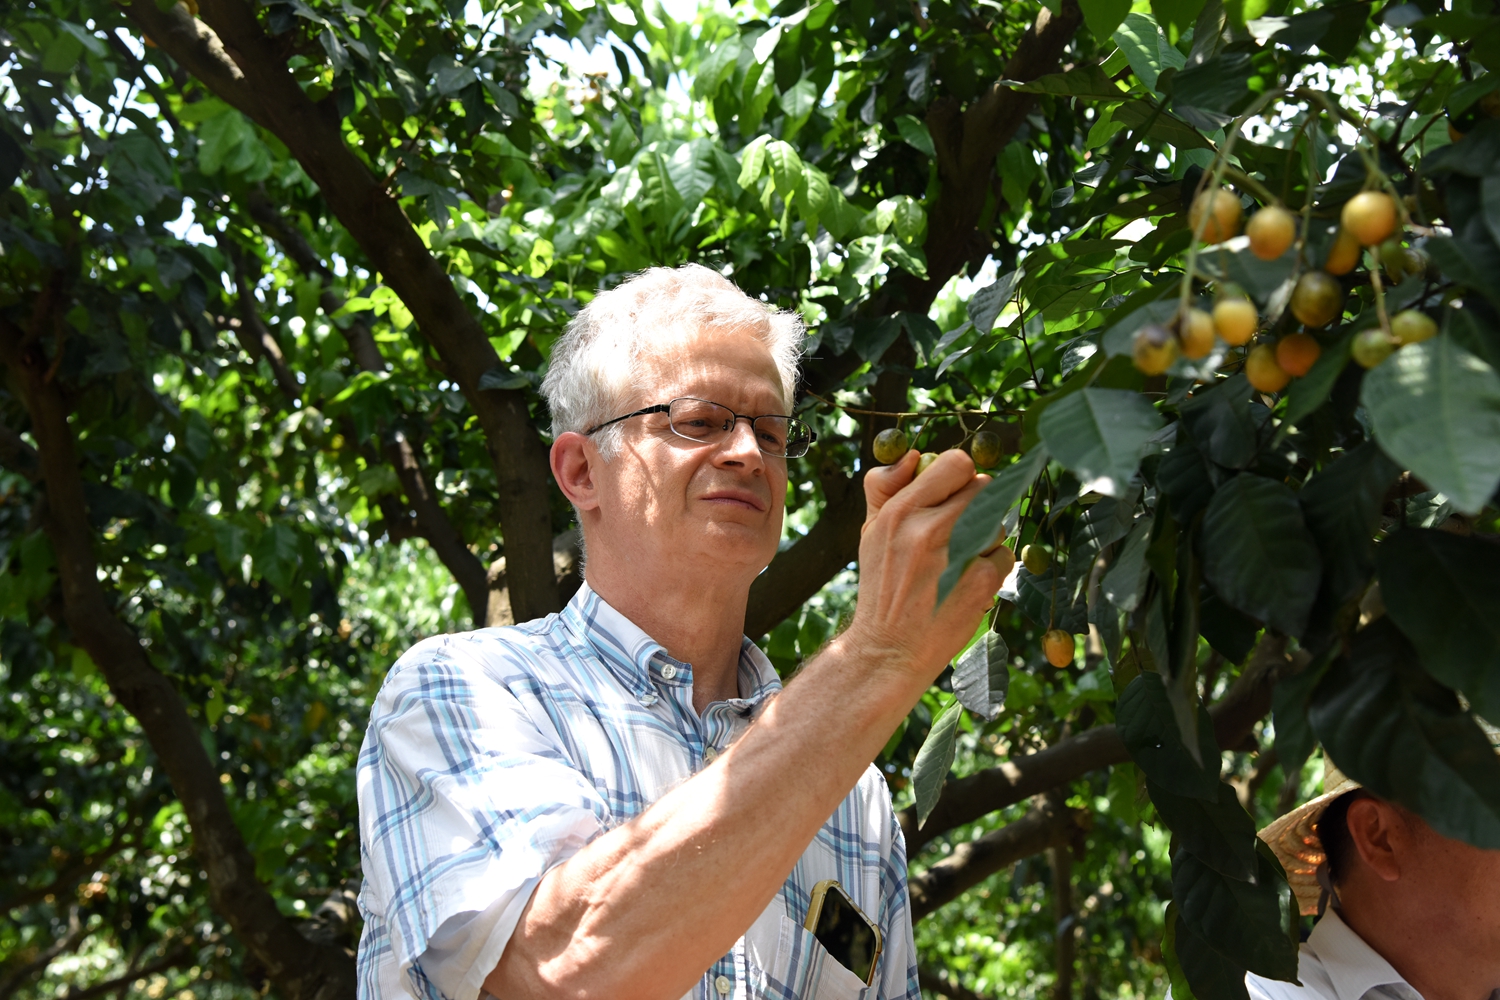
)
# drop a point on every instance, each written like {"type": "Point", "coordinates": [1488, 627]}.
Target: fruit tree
{"type": "Point", "coordinates": [1210, 287]}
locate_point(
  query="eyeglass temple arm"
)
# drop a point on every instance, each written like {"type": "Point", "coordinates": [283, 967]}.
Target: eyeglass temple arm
{"type": "Point", "coordinates": [658, 408]}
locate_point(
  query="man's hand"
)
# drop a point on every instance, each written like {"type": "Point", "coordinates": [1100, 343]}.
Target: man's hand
{"type": "Point", "coordinates": [903, 550]}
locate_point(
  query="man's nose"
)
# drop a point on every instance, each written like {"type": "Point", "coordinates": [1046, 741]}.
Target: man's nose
{"type": "Point", "coordinates": [740, 443]}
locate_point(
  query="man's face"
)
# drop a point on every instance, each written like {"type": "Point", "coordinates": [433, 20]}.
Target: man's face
{"type": "Point", "coordinates": [668, 503]}
{"type": "Point", "coordinates": [1463, 882]}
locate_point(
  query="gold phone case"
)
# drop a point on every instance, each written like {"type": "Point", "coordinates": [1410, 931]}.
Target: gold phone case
{"type": "Point", "coordinates": [815, 910]}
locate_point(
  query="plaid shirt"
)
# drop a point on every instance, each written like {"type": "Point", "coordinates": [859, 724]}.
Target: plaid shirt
{"type": "Point", "coordinates": [494, 756]}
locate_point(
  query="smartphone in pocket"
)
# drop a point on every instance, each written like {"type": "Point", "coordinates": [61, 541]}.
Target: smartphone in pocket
{"type": "Point", "coordinates": [843, 930]}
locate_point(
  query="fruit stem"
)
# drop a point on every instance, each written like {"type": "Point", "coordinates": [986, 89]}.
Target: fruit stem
{"type": "Point", "coordinates": [1214, 180]}
{"type": "Point", "coordinates": [906, 413]}
{"type": "Point", "coordinates": [1379, 286]}
{"type": "Point", "coordinates": [1256, 187]}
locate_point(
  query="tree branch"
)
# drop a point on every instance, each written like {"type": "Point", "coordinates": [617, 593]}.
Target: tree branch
{"type": "Point", "coordinates": [17, 455]}
{"type": "Point", "coordinates": [440, 532]}
{"type": "Point", "coordinates": [300, 969]}
{"type": "Point", "coordinates": [248, 61]}
{"type": "Point", "coordinates": [974, 861]}
{"type": "Point", "coordinates": [967, 799]}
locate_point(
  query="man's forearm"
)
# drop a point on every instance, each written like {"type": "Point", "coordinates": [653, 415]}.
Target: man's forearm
{"type": "Point", "coordinates": [643, 910]}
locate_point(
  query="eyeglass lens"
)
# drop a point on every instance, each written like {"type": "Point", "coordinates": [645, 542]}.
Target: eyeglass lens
{"type": "Point", "coordinates": [700, 420]}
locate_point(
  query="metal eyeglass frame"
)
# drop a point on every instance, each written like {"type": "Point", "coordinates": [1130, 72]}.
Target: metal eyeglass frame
{"type": "Point", "coordinates": [667, 409]}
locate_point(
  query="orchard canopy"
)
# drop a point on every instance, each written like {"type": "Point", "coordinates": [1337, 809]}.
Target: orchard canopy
{"type": "Point", "coordinates": [279, 280]}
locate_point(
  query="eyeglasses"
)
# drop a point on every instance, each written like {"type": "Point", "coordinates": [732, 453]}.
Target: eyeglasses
{"type": "Point", "coordinates": [703, 422]}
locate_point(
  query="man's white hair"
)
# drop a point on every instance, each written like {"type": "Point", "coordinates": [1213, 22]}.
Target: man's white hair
{"type": "Point", "coordinates": [600, 363]}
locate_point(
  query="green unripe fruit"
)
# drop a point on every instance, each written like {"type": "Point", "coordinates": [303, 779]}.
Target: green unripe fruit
{"type": "Point", "coordinates": [927, 459]}
{"type": "Point", "coordinates": [890, 445]}
{"type": "Point", "coordinates": [1371, 347]}
{"type": "Point", "coordinates": [1412, 327]}
{"type": "Point", "coordinates": [986, 449]}
{"type": "Point", "coordinates": [1035, 559]}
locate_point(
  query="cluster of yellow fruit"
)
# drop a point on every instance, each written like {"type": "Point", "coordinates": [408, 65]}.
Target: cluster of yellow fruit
{"type": "Point", "coordinates": [1369, 219]}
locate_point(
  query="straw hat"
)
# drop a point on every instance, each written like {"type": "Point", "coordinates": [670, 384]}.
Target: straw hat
{"type": "Point", "coordinates": [1294, 836]}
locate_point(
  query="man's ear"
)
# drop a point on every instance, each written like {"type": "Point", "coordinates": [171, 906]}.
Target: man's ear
{"type": "Point", "coordinates": [574, 460]}
{"type": "Point", "coordinates": [1380, 834]}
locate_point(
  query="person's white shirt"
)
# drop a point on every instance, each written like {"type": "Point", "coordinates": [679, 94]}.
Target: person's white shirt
{"type": "Point", "coordinates": [1336, 964]}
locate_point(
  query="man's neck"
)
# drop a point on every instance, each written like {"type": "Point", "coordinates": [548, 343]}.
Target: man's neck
{"type": "Point", "coordinates": [1431, 952]}
{"type": "Point", "coordinates": [698, 621]}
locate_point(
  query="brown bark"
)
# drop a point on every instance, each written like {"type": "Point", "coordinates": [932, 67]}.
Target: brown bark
{"type": "Point", "coordinates": [967, 799]}
{"type": "Point", "coordinates": [976, 860]}
{"type": "Point", "coordinates": [1060, 855]}
{"type": "Point", "coordinates": [230, 54]}
{"type": "Point", "coordinates": [300, 969]}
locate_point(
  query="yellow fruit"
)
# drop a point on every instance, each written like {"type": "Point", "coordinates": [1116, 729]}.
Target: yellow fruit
{"type": "Point", "coordinates": [1235, 320]}
{"type": "Point", "coordinates": [927, 459]}
{"type": "Point", "coordinates": [1370, 217]}
{"type": "Point", "coordinates": [1343, 256]}
{"type": "Point", "coordinates": [1412, 327]}
{"type": "Point", "coordinates": [1271, 231]}
{"type": "Point", "coordinates": [891, 445]}
{"type": "Point", "coordinates": [1371, 347]}
{"type": "Point", "coordinates": [1035, 559]}
{"type": "Point", "coordinates": [1223, 210]}
{"type": "Point", "coordinates": [1057, 644]}
{"type": "Point", "coordinates": [1153, 349]}
{"type": "Point", "coordinates": [1318, 299]}
{"type": "Point", "coordinates": [985, 449]}
{"type": "Point", "coordinates": [1197, 334]}
{"type": "Point", "coordinates": [1263, 371]}
{"type": "Point", "coordinates": [1296, 353]}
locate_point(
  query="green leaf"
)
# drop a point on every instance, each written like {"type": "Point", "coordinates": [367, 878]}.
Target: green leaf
{"type": "Point", "coordinates": [1226, 424]}
{"type": "Point", "coordinates": [981, 676]}
{"type": "Point", "coordinates": [935, 759]}
{"type": "Point", "coordinates": [915, 133]}
{"type": "Point", "coordinates": [1184, 475]}
{"type": "Point", "coordinates": [275, 554]}
{"type": "Point", "coordinates": [1146, 48]}
{"type": "Point", "coordinates": [1125, 583]}
{"type": "Point", "coordinates": [1406, 738]}
{"type": "Point", "coordinates": [1241, 920]}
{"type": "Point", "coordinates": [1089, 82]}
{"type": "Point", "coordinates": [1217, 84]}
{"type": "Point", "coordinates": [1295, 740]}
{"type": "Point", "coordinates": [1047, 600]}
{"type": "Point", "coordinates": [1443, 590]}
{"type": "Point", "coordinates": [1119, 338]}
{"type": "Point", "coordinates": [213, 709]}
{"type": "Point", "coordinates": [1465, 261]}
{"type": "Point", "coordinates": [1104, 16]}
{"type": "Point", "coordinates": [1228, 631]}
{"type": "Point", "coordinates": [1341, 505]}
{"type": "Point", "coordinates": [1258, 554]}
{"type": "Point", "coordinates": [1099, 434]}
{"type": "Point", "coordinates": [1200, 968]}
{"type": "Point", "coordinates": [982, 521]}
{"type": "Point", "coordinates": [1220, 833]}
{"type": "Point", "coordinates": [985, 304]}
{"type": "Point", "coordinates": [1435, 408]}
{"type": "Point", "coordinates": [753, 160]}
{"type": "Point", "coordinates": [62, 54]}
{"type": "Point", "coordinates": [1149, 730]}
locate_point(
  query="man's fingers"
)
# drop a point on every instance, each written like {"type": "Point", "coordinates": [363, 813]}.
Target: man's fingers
{"type": "Point", "coordinates": [885, 482]}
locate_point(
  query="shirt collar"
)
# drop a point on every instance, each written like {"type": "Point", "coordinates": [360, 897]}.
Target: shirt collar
{"type": "Point", "coordinates": [1352, 966]}
{"type": "Point", "coordinates": [637, 660]}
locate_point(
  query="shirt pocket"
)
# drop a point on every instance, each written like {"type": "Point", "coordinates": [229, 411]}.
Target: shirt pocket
{"type": "Point", "coordinates": [802, 968]}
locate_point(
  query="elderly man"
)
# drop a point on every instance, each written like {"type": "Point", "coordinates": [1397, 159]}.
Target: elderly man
{"type": "Point", "coordinates": [619, 800]}
{"type": "Point", "coordinates": [1414, 915]}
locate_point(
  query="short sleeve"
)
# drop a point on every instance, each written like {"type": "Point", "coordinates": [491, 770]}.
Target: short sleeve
{"type": "Point", "coordinates": [465, 800]}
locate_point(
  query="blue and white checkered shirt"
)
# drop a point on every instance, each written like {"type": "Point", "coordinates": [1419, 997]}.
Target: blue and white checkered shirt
{"type": "Point", "coordinates": [494, 756]}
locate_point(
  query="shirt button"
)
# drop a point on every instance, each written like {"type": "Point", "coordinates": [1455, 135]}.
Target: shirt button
{"type": "Point", "coordinates": [668, 672]}
{"type": "Point", "coordinates": [722, 985]}
{"type": "Point", "coordinates": [710, 755]}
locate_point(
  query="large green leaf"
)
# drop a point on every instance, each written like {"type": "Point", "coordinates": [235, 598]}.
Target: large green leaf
{"type": "Point", "coordinates": [1443, 590]}
{"type": "Point", "coordinates": [981, 676]}
{"type": "Point", "coordinates": [1099, 434]}
{"type": "Point", "coordinates": [1258, 554]}
{"type": "Point", "coordinates": [1125, 583]}
{"type": "Point", "coordinates": [935, 759]}
{"type": "Point", "coordinates": [1341, 505]}
{"type": "Point", "coordinates": [1405, 737]}
{"type": "Point", "coordinates": [1146, 48]}
{"type": "Point", "coordinates": [1104, 16]}
{"type": "Point", "coordinates": [1195, 968]}
{"type": "Point", "coordinates": [1435, 408]}
{"type": "Point", "coordinates": [1311, 390]}
{"type": "Point", "coordinates": [1239, 919]}
{"type": "Point", "coordinates": [981, 522]}
{"type": "Point", "coordinates": [1226, 425]}
{"type": "Point", "coordinates": [1149, 729]}
{"type": "Point", "coordinates": [1049, 601]}
{"type": "Point", "coordinates": [1220, 833]}
{"type": "Point", "coordinates": [1289, 700]}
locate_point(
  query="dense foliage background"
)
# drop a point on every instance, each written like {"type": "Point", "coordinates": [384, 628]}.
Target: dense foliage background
{"type": "Point", "coordinates": [278, 281]}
